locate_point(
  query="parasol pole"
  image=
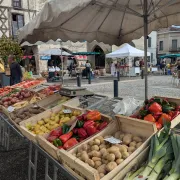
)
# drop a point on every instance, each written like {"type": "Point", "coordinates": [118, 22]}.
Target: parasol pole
{"type": "Point", "coordinates": [60, 41]}
{"type": "Point", "coordinates": [145, 47]}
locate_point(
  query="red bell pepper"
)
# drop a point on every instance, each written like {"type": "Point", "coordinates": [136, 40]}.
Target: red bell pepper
{"type": "Point", "coordinates": [149, 118]}
{"type": "Point", "coordinates": [82, 133]}
{"type": "Point", "coordinates": [70, 143]}
{"type": "Point", "coordinates": [84, 116]}
{"type": "Point", "coordinates": [164, 117]}
{"type": "Point", "coordinates": [158, 125]}
{"type": "Point", "coordinates": [65, 137]}
{"type": "Point", "coordinates": [178, 108]}
{"type": "Point", "coordinates": [91, 130]}
{"type": "Point", "coordinates": [155, 107]}
{"type": "Point", "coordinates": [157, 115]}
{"type": "Point", "coordinates": [75, 130]}
{"type": "Point", "coordinates": [102, 125]}
{"type": "Point", "coordinates": [60, 147]}
{"type": "Point", "coordinates": [51, 138]}
{"type": "Point", "coordinates": [88, 123]}
{"type": "Point", "coordinates": [56, 132]}
{"type": "Point", "coordinates": [94, 115]}
{"type": "Point", "coordinates": [133, 116]}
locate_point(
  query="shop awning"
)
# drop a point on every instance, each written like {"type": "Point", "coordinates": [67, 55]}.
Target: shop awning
{"type": "Point", "coordinates": [170, 56]}
{"type": "Point", "coordinates": [86, 53]}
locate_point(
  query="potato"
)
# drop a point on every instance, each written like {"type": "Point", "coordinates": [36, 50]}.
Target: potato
{"type": "Point", "coordinates": [91, 143]}
{"type": "Point", "coordinates": [110, 157]}
{"type": "Point", "coordinates": [78, 155]}
{"type": "Point", "coordinates": [122, 149]}
{"type": "Point", "coordinates": [103, 150]}
{"type": "Point", "coordinates": [121, 137]}
{"type": "Point", "coordinates": [90, 154]}
{"type": "Point", "coordinates": [101, 139]}
{"type": "Point", "coordinates": [131, 149]}
{"type": "Point", "coordinates": [102, 169]}
{"type": "Point", "coordinates": [97, 142]}
{"type": "Point", "coordinates": [117, 134]}
{"type": "Point", "coordinates": [138, 144]}
{"type": "Point", "coordinates": [127, 139]}
{"type": "Point", "coordinates": [79, 149]}
{"type": "Point", "coordinates": [132, 144]}
{"type": "Point", "coordinates": [97, 164]}
{"type": "Point", "coordinates": [119, 161]}
{"type": "Point", "coordinates": [96, 159]}
{"type": "Point", "coordinates": [102, 146]}
{"type": "Point", "coordinates": [95, 147]}
{"type": "Point", "coordinates": [137, 139]}
{"type": "Point", "coordinates": [125, 155]}
{"type": "Point", "coordinates": [113, 149]}
{"type": "Point", "coordinates": [96, 154]}
{"type": "Point", "coordinates": [104, 155]}
{"type": "Point", "coordinates": [90, 162]}
{"type": "Point", "coordinates": [104, 161]}
{"type": "Point", "coordinates": [84, 147]}
{"type": "Point", "coordinates": [101, 175]}
{"type": "Point", "coordinates": [84, 157]}
{"type": "Point", "coordinates": [110, 166]}
{"type": "Point", "coordinates": [117, 155]}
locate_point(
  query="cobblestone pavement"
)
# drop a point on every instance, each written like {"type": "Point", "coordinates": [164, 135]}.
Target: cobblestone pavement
{"type": "Point", "coordinates": [157, 85]}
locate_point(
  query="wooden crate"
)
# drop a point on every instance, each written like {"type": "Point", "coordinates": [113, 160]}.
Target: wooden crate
{"type": "Point", "coordinates": [51, 149]}
{"type": "Point", "coordinates": [83, 171]}
{"type": "Point", "coordinates": [33, 120]}
{"type": "Point", "coordinates": [170, 99]}
{"type": "Point", "coordinates": [55, 97]}
{"type": "Point", "coordinates": [135, 164]}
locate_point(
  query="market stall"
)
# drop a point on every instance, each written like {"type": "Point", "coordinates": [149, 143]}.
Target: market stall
{"type": "Point", "coordinates": [64, 133]}
{"type": "Point", "coordinates": [129, 52]}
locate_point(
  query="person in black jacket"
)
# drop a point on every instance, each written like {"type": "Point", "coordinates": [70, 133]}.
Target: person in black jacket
{"type": "Point", "coordinates": [15, 69]}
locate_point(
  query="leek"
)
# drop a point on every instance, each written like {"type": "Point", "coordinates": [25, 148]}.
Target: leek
{"type": "Point", "coordinates": [175, 171]}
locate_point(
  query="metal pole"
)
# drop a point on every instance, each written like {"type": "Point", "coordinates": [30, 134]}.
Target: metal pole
{"type": "Point", "coordinates": [62, 62]}
{"type": "Point", "coordinates": [145, 47]}
{"type": "Point", "coordinates": [115, 88]}
{"type": "Point", "coordinates": [118, 75]}
{"type": "Point", "coordinates": [89, 78]}
{"type": "Point", "coordinates": [78, 80]}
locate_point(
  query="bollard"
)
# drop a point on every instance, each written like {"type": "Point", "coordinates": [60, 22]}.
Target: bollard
{"type": "Point", "coordinates": [118, 76]}
{"type": "Point", "coordinates": [142, 74]}
{"type": "Point", "coordinates": [78, 80]}
{"type": "Point", "coordinates": [89, 78]}
{"type": "Point", "coordinates": [115, 88]}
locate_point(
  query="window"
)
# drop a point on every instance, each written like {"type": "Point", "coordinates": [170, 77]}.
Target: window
{"type": "Point", "coordinates": [149, 42]}
{"type": "Point", "coordinates": [16, 3]}
{"type": "Point", "coordinates": [174, 44]}
{"type": "Point", "coordinates": [17, 23]}
{"type": "Point", "coordinates": [151, 57]}
{"type": "Point", "coordinates": [160, 45]}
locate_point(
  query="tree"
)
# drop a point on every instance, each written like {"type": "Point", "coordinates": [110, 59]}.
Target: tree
{"type": "Point", "coordinates": [8, 46]}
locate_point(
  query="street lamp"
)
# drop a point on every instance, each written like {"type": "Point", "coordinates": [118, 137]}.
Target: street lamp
{"type": "Point", "coordinates": [60, 41]}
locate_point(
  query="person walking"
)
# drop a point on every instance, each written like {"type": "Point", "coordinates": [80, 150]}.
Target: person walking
{"type": "Point", "coordinates": [113, 69]}
{"type": "Point", "coordinates": [15, 70]}
{"type": "Point", "coordinates": [88, 67]}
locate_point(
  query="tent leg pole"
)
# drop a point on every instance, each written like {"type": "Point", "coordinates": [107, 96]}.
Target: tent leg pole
{"type": "Point", "coordinates": [62, 63]}
{"type": "Point", "coordinates": [145, 47]}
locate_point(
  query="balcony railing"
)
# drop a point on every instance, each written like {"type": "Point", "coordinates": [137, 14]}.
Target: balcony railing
{"type": "Point", "coordinates": [174, 49]}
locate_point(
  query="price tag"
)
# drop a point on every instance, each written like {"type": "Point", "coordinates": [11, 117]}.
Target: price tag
{"type": "Point", "coordinates": [67, 111]}
{"type": "Point", "coordinates": [113, 140]}
{"type": "Point", "coordinates": [11, 109]}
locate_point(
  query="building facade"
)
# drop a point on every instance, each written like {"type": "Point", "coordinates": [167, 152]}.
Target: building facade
{"type": "Point", "coordinates": [168, 41]}
{"type": "Point", "coordinates": [14, 14]}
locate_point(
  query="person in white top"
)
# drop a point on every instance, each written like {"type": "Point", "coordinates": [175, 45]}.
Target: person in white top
{"type": "Point", "coordinates": [113, 69]}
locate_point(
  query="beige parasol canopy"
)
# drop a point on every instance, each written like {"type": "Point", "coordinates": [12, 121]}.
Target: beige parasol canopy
{"type": "Point", "coordinates": [109, 21]}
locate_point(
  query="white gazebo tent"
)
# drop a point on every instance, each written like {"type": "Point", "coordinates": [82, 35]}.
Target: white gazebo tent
{"type": "Point", "coordinates": [128, 51]}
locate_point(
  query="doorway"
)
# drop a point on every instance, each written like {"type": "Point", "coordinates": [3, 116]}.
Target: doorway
{"type": "Point", "coordinates": [99, 58]}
